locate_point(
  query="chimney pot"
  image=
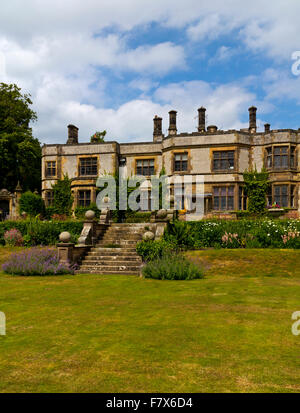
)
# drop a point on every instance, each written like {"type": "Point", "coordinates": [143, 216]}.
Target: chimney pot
{"type": "Point", "coordinates": [212, 128]}
{"type": "Point", "coordinates": [72, 135]}
{"type": "Point", "coordinates": [252, 119]}
{"type": "Point", "coordinates": [172, 122]}
{"type": "Point", "coordinates": [201, 119]}
{"type": "Point", "coordinates": [157, 129]}
{"type": "Point", "coordinates": [267, 128]}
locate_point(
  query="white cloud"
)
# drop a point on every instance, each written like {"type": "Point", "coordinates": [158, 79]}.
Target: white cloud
{"type": "Point", "coordinates": [133, 121]}
{"type": "Point", "coordinates": [58, 50]}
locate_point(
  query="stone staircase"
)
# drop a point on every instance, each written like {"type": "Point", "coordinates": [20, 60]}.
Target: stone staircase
{"type": "Point", "coordinates": [115, 253]}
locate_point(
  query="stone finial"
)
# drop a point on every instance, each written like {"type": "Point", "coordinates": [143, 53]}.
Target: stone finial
{"type": "Point", "coordinates": [65, 237]}
{"type": "Point", "coordinates": [90, 214]}
{"type": "Point", "coordinates": [148, 236]}
{"type": "Point", "coordinates": [201, 119]}
{"type": "Point", "coordinates": [72, 135]}
{"type": "Point", "coordinates": [252, 119]}
{"type": "Point", "coordinates": [172, 122]}
{"type": "Point", "coordinates": [18, 187]}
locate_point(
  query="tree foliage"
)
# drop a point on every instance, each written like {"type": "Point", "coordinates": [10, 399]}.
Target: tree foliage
{"type": "Point", "coordinates": [20, 152]}
{"type": "Point", "coordinates": [98, 137]}
{"type": "Point", "coordinates": [31, 203]}
{"type": "Point", "coordinates": [62, 196]}
{"type": "Point", "coordinates": [256, 186]}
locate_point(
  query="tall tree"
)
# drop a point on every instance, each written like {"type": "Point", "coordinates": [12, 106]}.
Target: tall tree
{"type": "Point", "coordinates": [20, 152]}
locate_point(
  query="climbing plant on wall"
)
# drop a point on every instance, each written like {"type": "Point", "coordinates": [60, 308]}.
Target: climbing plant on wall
{"type": "Point", "coordinates": [256, 188]}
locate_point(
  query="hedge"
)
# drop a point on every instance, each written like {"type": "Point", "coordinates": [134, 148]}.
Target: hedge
{"type": "Point", "coordinates": [36, 232]}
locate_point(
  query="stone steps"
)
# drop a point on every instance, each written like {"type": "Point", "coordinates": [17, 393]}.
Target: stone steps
{"type": "Point", "coordinates": [103, 258]}
{"type": "Point", "coordinates": [113, 258]}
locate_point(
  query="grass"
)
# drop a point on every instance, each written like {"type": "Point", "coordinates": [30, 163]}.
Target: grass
{"type": "Point", "coordinates": [228, 332]}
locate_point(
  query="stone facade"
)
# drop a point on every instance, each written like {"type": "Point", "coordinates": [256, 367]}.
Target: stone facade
{"type": "Point", "coordinates": [220, 156]}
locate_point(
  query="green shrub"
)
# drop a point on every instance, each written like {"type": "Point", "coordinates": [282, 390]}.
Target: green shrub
{"type": "Point", "coordinates": [172, 267]}
{"type": "Point", "coordinates": [62, 196]}
{"type": "Point", "coordinates": [152, 250]}
{"type": "Point", "coordinates": [32, 204]}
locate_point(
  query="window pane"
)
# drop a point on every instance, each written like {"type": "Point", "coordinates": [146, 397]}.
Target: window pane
{"type": "Point", "coordinates": [277, 150]}
{"type": "Point", "coordinates": [223, 202]}
{"type": "Point", "coordinates": [230, 190]}
{"type": "Point", "coordinates": [216, 203]}
{"type": "Point", "coordinates": [230, 202]}
{"type": "Point", "coordinates": [284, 161]}
{"type": "Point", "coordinates": [184, 165]}
{"type": "Point", "coordinates": [284, 201]}
{"type": "Point", "coordinates": [277, 161]}
{"type": "Point", "coordinates": [277, 190]}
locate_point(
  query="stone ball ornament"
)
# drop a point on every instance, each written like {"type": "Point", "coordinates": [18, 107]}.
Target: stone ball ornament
{"type": "Point", "coordinates": [90, 214]}
{"type": "Point", "coordinates": [81, 240]}
{"type": "Point", "coordinates": [65, 237]}
{"type": "Point", "coordinates": [161, 214]}
{"type": "Point", "coordinates": [148, 236]}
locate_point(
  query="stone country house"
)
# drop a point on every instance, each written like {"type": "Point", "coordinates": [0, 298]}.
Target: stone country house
{"type": "Point", "coordinates": [220, 156]}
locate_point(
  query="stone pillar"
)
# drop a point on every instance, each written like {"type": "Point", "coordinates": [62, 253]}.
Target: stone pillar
{"type": "Point", "coordinates": [65, 248]}
{"type": "Point", "coordinates": [157, 129]}
{"type": "Point", "coordinates": [252, 119]}
{"type": "Point", "coordinates": [18, 193]}
{"type": "Point", "coordinates": [72, 135]}
{"type": "Point", "coordinates": [65, 252]}
{"type": "Point", "coordinates": [201, 119]}
{"type": "Point", "coordinates": [172, 122]}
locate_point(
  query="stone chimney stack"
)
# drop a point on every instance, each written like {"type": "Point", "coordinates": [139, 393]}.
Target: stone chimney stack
{"type": "Point", "coordinates": [252, 119]}
{"type": "Point", "coordinates": [201, 119]}
{"type": "Point", "coordinates": [267, 128]}
{"type": "Point", "coordinates": [172, 122]}
{"type": "Point", "coordinates": [157, 129]}
{"type": "Point", "coordinates": [72, 135]}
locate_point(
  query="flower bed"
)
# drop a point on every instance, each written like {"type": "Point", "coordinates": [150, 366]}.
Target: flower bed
{"type": "Point", "coordinates": [260, 233]}
{"type": "Point", "coordinates": [36, 261]}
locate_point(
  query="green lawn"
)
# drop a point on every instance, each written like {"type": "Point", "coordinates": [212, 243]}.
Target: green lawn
{"type": "Point", "coordinates": [229, 332]}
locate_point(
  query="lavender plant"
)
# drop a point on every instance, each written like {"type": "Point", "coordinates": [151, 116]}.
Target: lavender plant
{"type": "Point", "coordinates": [36, 261]}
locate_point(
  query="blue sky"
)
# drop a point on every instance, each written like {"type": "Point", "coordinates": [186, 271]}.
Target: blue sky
{"type": "Point", "coordinates": [115, 64]}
